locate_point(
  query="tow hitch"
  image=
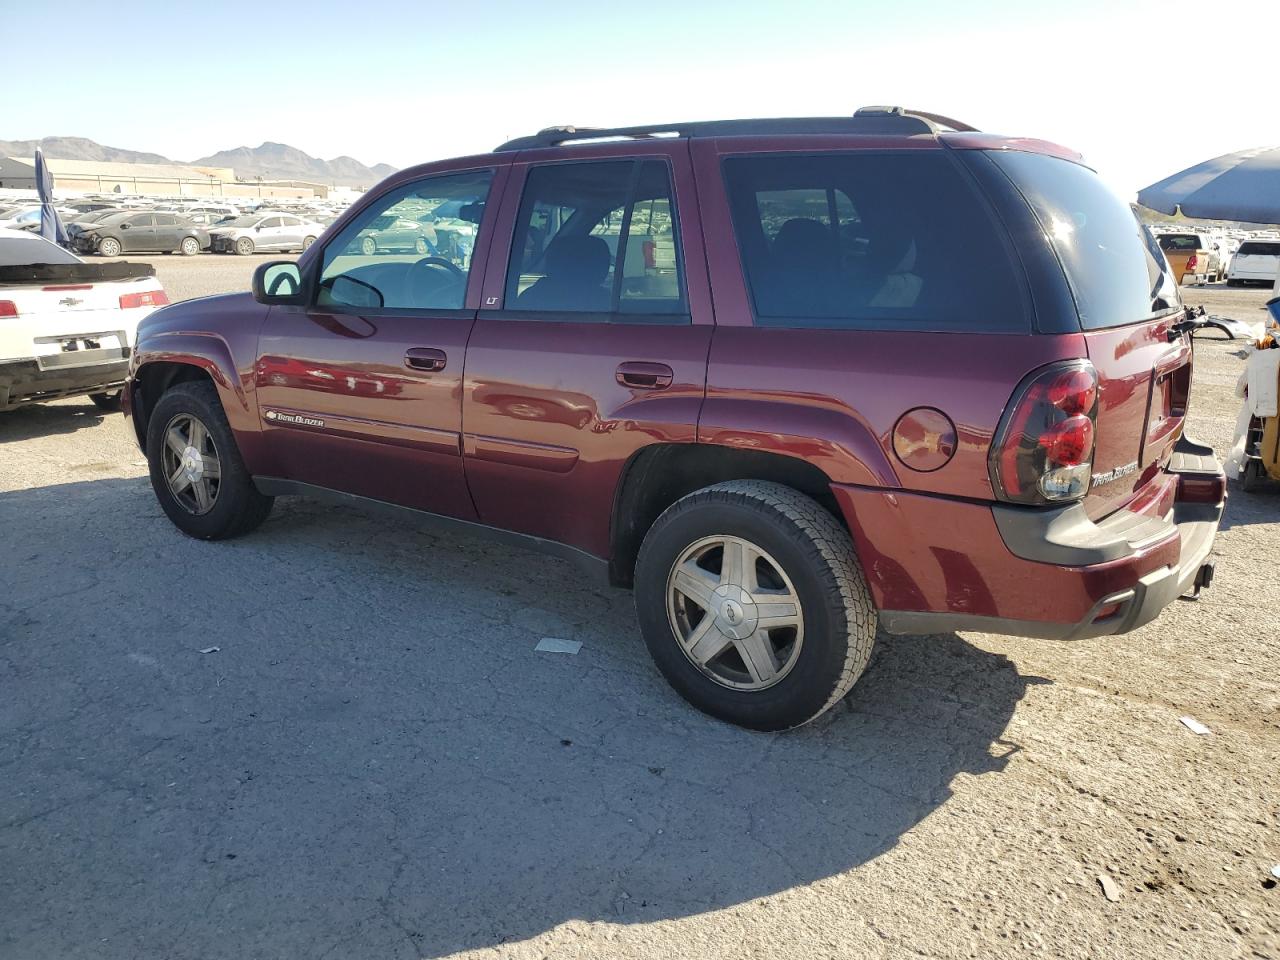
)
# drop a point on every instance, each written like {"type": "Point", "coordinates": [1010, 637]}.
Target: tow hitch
{"type": "Point", "coordinates": [1204, 578]}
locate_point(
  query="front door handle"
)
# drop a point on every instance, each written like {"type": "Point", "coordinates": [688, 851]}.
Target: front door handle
{"type": "Point", "coordinates": [640, 375]}
{"type": "Point", "coordinates": [425, 358]}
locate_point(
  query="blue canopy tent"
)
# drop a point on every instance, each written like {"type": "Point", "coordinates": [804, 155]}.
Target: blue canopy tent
{"type": "Point", "coordinates": [51, 227]}
{"type": "Point", "coordinates": [1237, 186]}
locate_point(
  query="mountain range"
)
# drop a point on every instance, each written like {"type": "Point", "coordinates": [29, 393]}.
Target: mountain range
{"type": "Point", "coordinates": [270, 161]}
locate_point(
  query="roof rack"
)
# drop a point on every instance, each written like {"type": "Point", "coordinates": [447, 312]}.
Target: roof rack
{"type": "Point", "coordinates": [876, 121]}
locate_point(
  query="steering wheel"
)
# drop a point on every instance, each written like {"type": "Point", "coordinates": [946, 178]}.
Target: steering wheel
{"type": "Point", "coordinates": [423, 281]}
{"type": "Point", "coordinates": [440, 262]}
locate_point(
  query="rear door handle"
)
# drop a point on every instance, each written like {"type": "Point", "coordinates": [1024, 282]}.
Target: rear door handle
{"type": "Point", "coordinates": [641, 375]}
{"type": "Point", "coordinates": [425, 358]}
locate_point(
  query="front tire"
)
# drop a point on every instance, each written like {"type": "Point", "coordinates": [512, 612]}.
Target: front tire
{"type": "Point", "coordinates": [196, 470]}
{"type": "Point", "coordinates": [753, 605]}
{"type": "Point", "coordinates": [109, 247]}
{"type": "Point", "coordinates": [368, 246]}
{"type": "Point", "coordinates": [244, 246]}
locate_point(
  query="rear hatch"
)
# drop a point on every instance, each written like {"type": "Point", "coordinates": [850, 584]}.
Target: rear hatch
{"type": "Point", "coordinates": [1257, 257]}
{"type": "Point", "coordinates": [1127, 300]}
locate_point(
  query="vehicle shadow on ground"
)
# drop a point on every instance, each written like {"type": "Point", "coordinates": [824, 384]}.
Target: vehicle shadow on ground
{"type": "Point", "coordinates": [1257, 506]}
{"type": "Point", "coordinates": [42, 420]}
{"type": "Point", "coordinates": [375, 761]}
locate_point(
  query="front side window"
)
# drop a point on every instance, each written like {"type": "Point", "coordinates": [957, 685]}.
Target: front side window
{"type": "Point", "coordinates": [872, 241]}
{"type": "Point", "coordinates": [409, 250]}
{"type": "Point", "coordinates": [597, 239]}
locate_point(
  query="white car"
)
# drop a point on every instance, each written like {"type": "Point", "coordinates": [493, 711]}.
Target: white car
{"type": "Point", "coordinates": [1255, 260]}
{"type": "Point", "coordinates": [66, 326]}
{"type": "Point", "coordinates": [263, 231]}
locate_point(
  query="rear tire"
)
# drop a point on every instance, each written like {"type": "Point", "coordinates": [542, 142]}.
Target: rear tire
{"type": "Point", "coordinates": [307, 242]}
{"type": "Point", "coordinates": [368, 246]}
{"type": "Point", "coordinates": [108, 400]}
{"type": "Point", "coordinates": [792, 550]}
{"type": "Point", "coordinates": [1253, 477]}
{"type": "Point", "coordinates": [190, 246]}
{"type": "Point", "coordinates": [230, 507]}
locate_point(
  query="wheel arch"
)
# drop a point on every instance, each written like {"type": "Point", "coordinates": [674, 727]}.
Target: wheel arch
{"type": "Point", "coordinates": [178, 359]}
{"type": "Point", "coordinates": [658, 475]}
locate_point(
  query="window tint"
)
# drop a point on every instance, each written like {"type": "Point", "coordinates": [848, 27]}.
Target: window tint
{"type": "Point", "coordinates": [1117, 273]}
{"type": "Point", "coordinates": [597, 238]}
{"type": "Point", "coordinates": [140, 220]}
{"type": "Point", "coordinates": [394, 256]}
{"type": "Point", "coordinates": [166, 220]}
{"type": "Point", "coordinates": [1178, 241]}
{"type": "Point", "coordinates": [270, 222]}
{"type": "Point", "coordinates": [895, 241]}
{"type": "Point", "coordinates": [1253, 248]}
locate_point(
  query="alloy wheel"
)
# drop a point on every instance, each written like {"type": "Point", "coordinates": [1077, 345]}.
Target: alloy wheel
{"type": "Point", "coordinates": [191, 464]}
{"type": "Point", "coordinates": [735, 612]}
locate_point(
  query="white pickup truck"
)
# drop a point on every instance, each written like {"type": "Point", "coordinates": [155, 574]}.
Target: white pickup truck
{"type": "Point", "coordinates": [66, 326]}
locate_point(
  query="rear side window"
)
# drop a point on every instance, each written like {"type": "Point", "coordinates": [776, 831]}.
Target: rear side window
{"type": "Point", "coordinates": [1252, 248]}
{"type": "Point", "coordinates": [1116, 271]}
{"type": "Point", "coordinates": [873, 241]}
{"type": "Point", "coordinates": [597, 240]}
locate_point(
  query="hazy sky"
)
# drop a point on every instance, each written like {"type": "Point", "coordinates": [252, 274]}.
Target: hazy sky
{"type": "Point", "coordinates": [1139, 90]}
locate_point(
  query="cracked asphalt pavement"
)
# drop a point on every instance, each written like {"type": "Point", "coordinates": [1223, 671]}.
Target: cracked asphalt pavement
{"type": "Point", "coordinates": [376, 763]}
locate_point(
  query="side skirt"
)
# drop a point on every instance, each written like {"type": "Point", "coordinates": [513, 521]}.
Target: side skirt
{"type": "Point", "coordinates": [592, 565]}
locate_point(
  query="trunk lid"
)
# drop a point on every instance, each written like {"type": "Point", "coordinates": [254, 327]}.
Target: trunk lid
{"type": "Point", "coordinates": [1144, 381]}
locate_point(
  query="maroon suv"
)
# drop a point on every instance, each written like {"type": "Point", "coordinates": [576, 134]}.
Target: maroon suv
{"type": "Point", "coordinates": [790, 379]}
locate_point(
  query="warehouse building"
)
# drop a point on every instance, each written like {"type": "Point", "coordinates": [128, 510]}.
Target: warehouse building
{"type": "Point", "coordinates": [148, 179]}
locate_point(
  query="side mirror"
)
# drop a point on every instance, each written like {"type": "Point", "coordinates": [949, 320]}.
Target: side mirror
{"type": "Point", "coordinates": [278, 282]}
{"type": "Point", "coordinates": [124, 226]}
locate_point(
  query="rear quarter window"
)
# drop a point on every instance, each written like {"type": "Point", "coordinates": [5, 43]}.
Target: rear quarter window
{"type": "Point", "coordinates": [872, 241]}
{"type": "Point", "coordinates": [1116, 271]}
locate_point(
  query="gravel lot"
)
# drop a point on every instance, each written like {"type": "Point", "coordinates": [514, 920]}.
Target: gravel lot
{"type": "Point", "coordinates": [376, 763]}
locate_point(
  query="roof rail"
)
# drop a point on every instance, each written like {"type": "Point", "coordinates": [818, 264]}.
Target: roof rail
{"type": "Point", "coordinates": [882, 121]}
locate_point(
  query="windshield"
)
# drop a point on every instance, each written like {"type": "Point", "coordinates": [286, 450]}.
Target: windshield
{"type": "Point", "coordinates": [29, 251]}
{"type": "Point", "coordinates": [1116, 270]}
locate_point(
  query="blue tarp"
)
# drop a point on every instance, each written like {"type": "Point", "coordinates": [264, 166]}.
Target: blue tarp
{"type": "Point", "coordinates": [1238, 186]}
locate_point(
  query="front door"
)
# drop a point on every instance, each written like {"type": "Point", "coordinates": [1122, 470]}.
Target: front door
{"type": "Point", "coordinates": [361, 391]}
{"type": "Point", "coordinates": [138, 233]}
{"type": "Point", "coordinates": [594, 341]}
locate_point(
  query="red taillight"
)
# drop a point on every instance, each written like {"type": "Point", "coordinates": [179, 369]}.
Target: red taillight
{"type": "Point", "coordinates": [148, 298]}
{"type": "Point", "coordinates": [8, 308]}
{"type": "Point", "coordinates": [1191, 262]}
{"type": "Point", "coordinates": [1044, 447]}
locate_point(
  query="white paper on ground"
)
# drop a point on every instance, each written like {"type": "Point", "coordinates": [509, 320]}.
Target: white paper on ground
{"type": "Point", "coordinates": [1194, 725]}
{"type": "Point", "coordinates": [557, 645]}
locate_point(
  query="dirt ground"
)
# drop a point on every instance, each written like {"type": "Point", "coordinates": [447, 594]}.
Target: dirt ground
{"type": "Point", "coordinates": [376, 763]}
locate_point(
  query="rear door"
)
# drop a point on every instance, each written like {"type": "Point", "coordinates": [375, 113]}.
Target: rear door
{"type": "Point", "coordinates": [361, 390]}
{"type": "Point", "coordinates": [1127, 300]}
{"type": "Point", "coordinates": [593, 339]}
{"type": "Point", "coordinates": [168, 231]}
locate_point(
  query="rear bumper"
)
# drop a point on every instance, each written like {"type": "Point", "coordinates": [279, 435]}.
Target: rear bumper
{"type": "Point", "coordinates": [937, 566]}
{"type": "Point", "coordinates": [29, 381]}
